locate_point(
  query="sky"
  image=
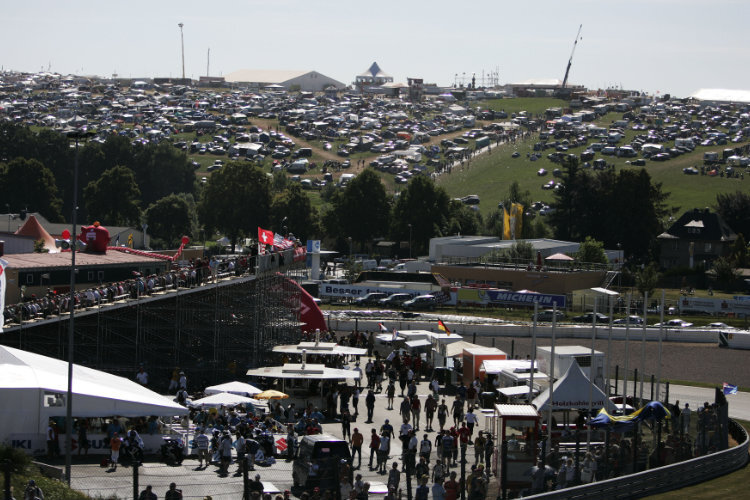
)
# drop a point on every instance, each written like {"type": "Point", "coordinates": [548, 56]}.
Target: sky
{"type": "Point", "coordinates": [665, 46]}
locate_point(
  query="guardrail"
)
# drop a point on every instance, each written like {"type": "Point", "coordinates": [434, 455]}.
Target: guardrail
{"type": "Point", "coordinates": [670, 477]}
{"type": "Point", "coordinates": [543, 330]}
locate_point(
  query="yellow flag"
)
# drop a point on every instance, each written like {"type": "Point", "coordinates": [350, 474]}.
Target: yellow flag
{"type": "Point", "coordinates": [506, 224]}
{"type": "Point", "coordinates": [130, 240]}
{"type": "Point", "coordinates": [517, 220]}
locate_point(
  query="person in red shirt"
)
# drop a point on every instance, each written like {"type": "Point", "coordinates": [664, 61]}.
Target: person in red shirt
{"type": "Point", "coordinates": [416, 408]}
{"type": "Point", "coordinates": [451, 487]}
{"type": "Point", "coordinates": [417, 368]}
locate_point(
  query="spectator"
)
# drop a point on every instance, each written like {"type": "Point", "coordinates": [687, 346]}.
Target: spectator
{"type": "Point", "coordinates": [356, 441]}
{"type": "Point", "coordinates": [147, 494]}
{"type": "Point", "coordinates": [394, 477]}
{"type": "Point", "coordinates": [173, 493]}
{"type": "Point", "coordinates": [32, 491]}
{"type": "Point", "coordinates": [451, 487]}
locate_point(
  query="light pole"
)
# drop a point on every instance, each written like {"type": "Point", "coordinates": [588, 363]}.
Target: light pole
{"type": "Point", "coordinates": [410, 241]}
{"type": "Point", "coordinates": [182, 45]}
{"type": "Point", "coordinates": [350, 248]}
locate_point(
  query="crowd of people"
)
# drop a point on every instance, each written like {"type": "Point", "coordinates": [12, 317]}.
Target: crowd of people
{"type": "Point", "coordinates": [196, 273]}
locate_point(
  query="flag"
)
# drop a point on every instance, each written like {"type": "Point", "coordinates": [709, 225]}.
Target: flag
{"type": "Point", "coordinates": [729, 389]}
{"type": "Point", "coordinates": [517, 216]}
{"type": "Point", "coordinates": [382, 327]}
{"type": "Point", "coordinates": [506, 224]}
{"type": "Point", "coordinates": [3, 265]}
{"type": "Point", "coordinates": [130, 240]}
{"type": "Point", "coordinates": [395, 335]}
{"type": "Point", "coordinates": [441, 326]}
{"type": "Point", "coordinates": [265, 237]}
{"type": "Point", "coordinates": [281, 242]}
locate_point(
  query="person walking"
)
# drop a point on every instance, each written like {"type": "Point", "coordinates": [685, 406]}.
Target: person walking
{"type": "Point", "coordinates": [425, 448]}
{"type": "Point", "coordinates": [479, 448]}
{"type": "Point", "coordinates": [390, 393]}
{"type": "Point", "coordinates": [416, 407]}
{"type": "Point", "coordinates": [346, 420]}
{"type": "Point", "coordinates": [451, 487]}
{"type": "Point", "coordinates": [394, 477]}
{"type": "Point", "coordinates": [405, 409]}
{"type": "Point", "coordinates": [383, 451]}
{"type": "Point", "coordinates": [374, 446]}
{"type": "Point", "coordinates": [356, 441]}
{"type": "Point", "coordinates": [430, 405]}
{"type": "Point", "coordinates": [370, 404]}
{"type": "Point", "coordinates": [471, 420]}
{"type": "Point", "coordinates": [355, 401]}
{"type": "Point", "coordinates": [442, 413]}
{"type": "Point", "coordinates": [201, 443]}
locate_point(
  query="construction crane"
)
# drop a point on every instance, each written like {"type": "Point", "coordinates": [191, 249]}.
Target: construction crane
{"type": "Point", "coordinates": [570, 61]}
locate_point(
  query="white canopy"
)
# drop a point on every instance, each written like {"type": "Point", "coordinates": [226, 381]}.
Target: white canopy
{"type": "Point", "coordinates": [223, 399]}
{"type": "Point", "coordinates": [516, 390]}
{"type": "Point", "coordinates": [235, 387]}
{"type": "Point", "coordinates": [309, 371]}
{"type": "Point", "coordinates": [321, 350]}
{"type": "Point", "coordinates": [571, 392]}
{"type": "Point", "coordinates": [33, 388]}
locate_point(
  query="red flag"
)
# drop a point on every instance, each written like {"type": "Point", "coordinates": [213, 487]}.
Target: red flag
{"type": "Point", "coordinates": [265, 237]}
{"type": "Point", "coordinates": [382, 327]}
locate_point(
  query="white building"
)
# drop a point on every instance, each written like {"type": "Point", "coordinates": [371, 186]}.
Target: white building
{"type": "Point", "coordinates": [308, 81]}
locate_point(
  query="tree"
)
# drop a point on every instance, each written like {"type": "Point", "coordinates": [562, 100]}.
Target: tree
{"type": "Point", "coordinates": [462, 219]}
{"type": "Point", "coordinates": [301, 217]}
{"type": "Point", "coordinates": [423, 205]}
{"type": "Point", "coordinates": [739, 252]}
{"type": "Point", "coordinates": [171, 218]}
{"type": "Point", "coordinates": [162, 169]}
{"type": "Point", "coordinates": [734, 209]}
{"type": "Point", "coordinates": [29, 184]}
{"type": "Point", "coordinates": [726, 272]}
{"type": "Point", "coordinates": [623, 207]}
{"type": "Point", "coordinates": [360, 211]}
{"type": "Point", "coordinates": [236, 201]}
{"type": "Point", "coordinates": [113, 199]}
{"type": "Point", "coordinates": [591, 251]}
{"type": "Point", "coordinates": [646, 279]}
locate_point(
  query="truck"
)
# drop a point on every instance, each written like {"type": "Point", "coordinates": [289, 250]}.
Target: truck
{"type": "Point", "coordinates": [567, 355]}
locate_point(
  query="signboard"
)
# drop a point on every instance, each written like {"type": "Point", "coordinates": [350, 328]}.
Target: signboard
{"type": "Point", "coordinates": [354, 291]}
{"type": "Point", "coordinates": [526, 299]}
{"type": "Point", "coordinates": [739, 307]}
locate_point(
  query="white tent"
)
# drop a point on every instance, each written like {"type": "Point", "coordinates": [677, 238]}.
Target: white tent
{"type": "Point", "coordinates": [224, 399]}
{"type": "Point", "coordinates": [235, 387]}
{"type": "Point", "coordinates": [33, 388]}
{"type": "Point", "coordinates": [571, 392]}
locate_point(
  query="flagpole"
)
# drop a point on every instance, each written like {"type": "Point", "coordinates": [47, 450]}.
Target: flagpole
{"type": "Point", "coordinates": [643, 343]}
{"type": "Point", "coordinates": [658, 365]}
{"type": "Point", "coordinates": [627, 350]}
{"type": "Point", "coordinates": [551, 377]}
{"type": "Point", "coordinates": [533, 352]}
{"type": "Point", "coordinates": [591, 376]}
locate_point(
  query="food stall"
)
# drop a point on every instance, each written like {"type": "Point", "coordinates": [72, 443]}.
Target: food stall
{"type": "Point", "coordinates": [517, 425]}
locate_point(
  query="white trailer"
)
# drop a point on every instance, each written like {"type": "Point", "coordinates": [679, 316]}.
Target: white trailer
{"type": "Point", "coordinates": [564, 357]}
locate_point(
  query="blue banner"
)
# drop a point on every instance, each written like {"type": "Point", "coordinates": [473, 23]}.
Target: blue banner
{"type": "Point", "coordinates": [528, 299]}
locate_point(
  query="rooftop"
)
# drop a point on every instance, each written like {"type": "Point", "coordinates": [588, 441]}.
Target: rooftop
{"type": "Point", "coordinates": [83, 259]}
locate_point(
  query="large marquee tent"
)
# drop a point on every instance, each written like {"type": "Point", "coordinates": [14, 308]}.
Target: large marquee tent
{"type": "Point", "coordinates": [33, 388]}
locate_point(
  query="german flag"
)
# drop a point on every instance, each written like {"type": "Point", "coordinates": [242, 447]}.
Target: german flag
{"type": "Point", "coordinates": [441, 326]}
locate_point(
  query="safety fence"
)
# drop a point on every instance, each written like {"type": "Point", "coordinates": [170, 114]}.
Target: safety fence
{"type": "Point", "coordinates": [671, 477]}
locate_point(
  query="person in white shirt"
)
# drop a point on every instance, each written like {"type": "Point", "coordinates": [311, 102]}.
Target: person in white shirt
{"type": "Point", "coordinates": [471, 419]}
{"type": "Point", "coordinates": [425, 447]}
{"type": "Point", "coordinates": [142, 377]}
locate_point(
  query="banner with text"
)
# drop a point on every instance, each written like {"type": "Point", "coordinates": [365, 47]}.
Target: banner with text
{"type": "Point", "coordinates": [354, 291]}
{"type": "Point", "coordinates": [739, 307]}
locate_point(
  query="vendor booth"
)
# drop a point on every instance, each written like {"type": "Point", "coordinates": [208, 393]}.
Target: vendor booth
{"type": "Point", "coordinates": [473, 358]}
{"type": "Point", "coordinates": [33, 391]}
{"type": "Point", "coordinates": [518, 425]}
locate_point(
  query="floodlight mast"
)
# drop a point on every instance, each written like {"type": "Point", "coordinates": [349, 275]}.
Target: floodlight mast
{"type": "Point", "coordinates": [182, 45]}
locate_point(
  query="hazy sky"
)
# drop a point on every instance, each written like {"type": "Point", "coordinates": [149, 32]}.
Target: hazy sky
{"type": "Point", "coordinates": [671, 46]}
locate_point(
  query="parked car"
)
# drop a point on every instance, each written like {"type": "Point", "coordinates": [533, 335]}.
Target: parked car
{"type": "Point", "coordinates": [395, 300]}
{"type": "Point", "coordinates": [633, 320]}
{"type": "Point", "coordinates": [675, 323]}
{"type": "Point", "coordinates": [370, 299]}
{"type": "Point", "coordinates": [420, 302]}
{"type": "Point", "coordinates": [589, 318]}
{"type": "Point", "coordinates": [547, 315]}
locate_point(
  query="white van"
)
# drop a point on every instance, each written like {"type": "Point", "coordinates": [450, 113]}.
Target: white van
{"type": "Point", "coordinates": [345, 179]}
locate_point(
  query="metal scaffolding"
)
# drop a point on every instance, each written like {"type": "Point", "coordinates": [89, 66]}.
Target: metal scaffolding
{"type": "Point", "coordinates": [214, 332]}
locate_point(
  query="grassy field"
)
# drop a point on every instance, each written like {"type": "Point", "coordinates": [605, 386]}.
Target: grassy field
{"type": "Point", "coordinates": [490, 175]}
{"type": "Point", "coordinates": [732, 485]}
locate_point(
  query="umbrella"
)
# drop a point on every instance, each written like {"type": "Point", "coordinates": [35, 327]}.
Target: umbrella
{"type": "Point", "coordinates": [239, 388]}
{"type": "Point", "coordinates": [560, 257]}
{"type": "Point", "coordinates": [271, 394]}
{"type": "Point", "coordinates": [222, 399]}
